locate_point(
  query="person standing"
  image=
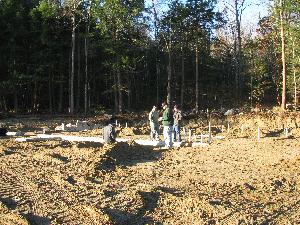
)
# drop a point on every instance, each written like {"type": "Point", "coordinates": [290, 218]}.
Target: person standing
{"type": "Point", "coordinates": [109, 133]}
{"type": "Point", "coordinates": [167, 122]}
{"type": "Point", "coordinates": [154, 126]}
{"type": "Point", "coordinates": [177, 123]}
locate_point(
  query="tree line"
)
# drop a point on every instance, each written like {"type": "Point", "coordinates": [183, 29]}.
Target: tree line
{"type": "Point", "coordinates": [82, 56]}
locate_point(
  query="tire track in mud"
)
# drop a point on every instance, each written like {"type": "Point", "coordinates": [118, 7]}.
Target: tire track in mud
{"type": "Point", "coordinates": [40, 198]}
{"type": "Point", "coordinates": [33, 190]}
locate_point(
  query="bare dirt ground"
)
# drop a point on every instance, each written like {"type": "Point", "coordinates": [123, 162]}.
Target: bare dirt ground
{"type": "Point", "coordinates": [236, 180]}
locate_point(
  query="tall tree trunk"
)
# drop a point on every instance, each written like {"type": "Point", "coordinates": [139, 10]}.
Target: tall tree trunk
{"type": "Point", "coordinates": [238, 53]}
{"type": "Point", "coordinates": [50, 84]}
{"type": "Point", "coordinates": [275, 73]}
{"type": "Point", "coordinates": [294, 76]}
{"type": "Point", "coordinates": [136, 92]}
{"type": "Point", "coordinates": [120, 94]}
{"type": "Point", "coordinates": [197, 78]}
{"type": "Point", "coordinates": [169, 87]}
{"type": "Point", "coordinates": [72, 66]}
{"type": "Point", "coordinates": [157, 81]}
{"type": "Point", "coordinates": [15, 89]}
{"type": "Point", "coordinates": [3, 104]}
{"type": "Point", "coordinates": [16, 108]}
{"type": "Point", "coordinates": [147, 78]}
{"type": "Point", "coordinates": [89, 96]}
{"type": "Point", "coordinates": [78, 77]}
{"type": "Point", "coordinates": [86, 81]}
{"type": "Point", "coordinates": [116, 93]}
{"type": "Point", "coordinates": [236, 73]}
{"type": "Point", "coordinates": [283, 99]}
{"type": "Point", "coordinates": [156, 53]}
{"type": "Point", "coordinates": [61, 91]}
{"type": "Point", "coordinates": [182, 78]}
{"type": "Point", "coordinates": [35, 104]}
{"type": "Point", "coordinates": [70, 74]}
{"type": "Point", "coordinates": [129, 94]}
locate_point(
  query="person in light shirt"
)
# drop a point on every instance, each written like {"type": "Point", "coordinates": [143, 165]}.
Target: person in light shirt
{"type": "Point", "coordinates": [177, 123]}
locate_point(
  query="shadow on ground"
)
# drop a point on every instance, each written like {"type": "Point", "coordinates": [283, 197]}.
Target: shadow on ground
{"type": "Point", "coordinates": [124, 154]}
{"type": "Point", "coordinates": [9, 203]}
{"type": "Point", "coordinates": [37, 220]}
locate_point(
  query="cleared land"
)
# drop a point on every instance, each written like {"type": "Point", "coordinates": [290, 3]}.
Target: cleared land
{"type": "Point", "coordinates": [237, 180]}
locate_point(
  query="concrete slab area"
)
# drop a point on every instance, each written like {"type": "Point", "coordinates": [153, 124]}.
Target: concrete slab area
{"type": "Point", "coordinates": [60, 137]}
{"type": "Point", "coordinates": [79, 126]}
{"type": "Point", "coordinates": [150, 143]}
{"type": "Point", "coordinates": [28, 139]}
{"type": "Point", "coordinates": [41, 137]}
{"type": "Point", "coordinates": [157, 143]}
{"type": "Point", "coordinates": [72, 138]}
{"type": "Point", "coordinates": [18, 133]}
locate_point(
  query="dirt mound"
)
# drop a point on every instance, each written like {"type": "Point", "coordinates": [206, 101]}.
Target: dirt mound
{"type": "Point", "coordinates": [132, 131]}
{"type": "Point", "coordinates": [127, 131]}
{"type": "Point", "coordinates": [269, 120]}
{"type": "Point", "coordinates": [247, 124]}
{"type": "Point", "coordinates": [269, 123]}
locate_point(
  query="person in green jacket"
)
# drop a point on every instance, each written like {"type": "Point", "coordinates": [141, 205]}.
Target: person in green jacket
{"type": "Point", "coordinates": [167, 122]}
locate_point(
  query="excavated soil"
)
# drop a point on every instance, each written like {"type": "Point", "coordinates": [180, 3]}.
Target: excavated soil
{"type": "Point", "coordinates": [235, 180]}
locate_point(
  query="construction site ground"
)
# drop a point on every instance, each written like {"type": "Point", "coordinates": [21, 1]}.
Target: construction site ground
{"type": "Point", "coordinates": [235, 180]}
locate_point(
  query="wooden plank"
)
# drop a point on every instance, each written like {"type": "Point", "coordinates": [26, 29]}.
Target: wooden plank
{"type": "Point", "coordinates": [28, 139]}
{"type": "Point", "coordinates": [213, 137]}
{"type": "Point", "coordinates": [18, 133]}
{"type": "Point", "coordinates": [150, 143]}
{"type": "Point", "coordinates": [72, 138]}
{"type": "Point", "coordinates": [44, 137]}
{"type": "Point", "coordinates": [40, 137]}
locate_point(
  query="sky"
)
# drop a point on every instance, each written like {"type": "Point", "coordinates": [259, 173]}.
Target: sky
{"type": "Point", "coordinates": [250, 17]}
{"type": "Point", "coordinates": [253, 10]}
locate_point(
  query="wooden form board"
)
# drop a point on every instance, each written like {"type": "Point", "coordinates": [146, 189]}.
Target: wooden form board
{"type": "Point", "coordinates": [45, 137]}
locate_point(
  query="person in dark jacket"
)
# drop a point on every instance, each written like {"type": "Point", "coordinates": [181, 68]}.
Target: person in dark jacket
{"type": "Point", "coordinates": [177, 123]}
{"type": "Point", "coordinates": [154, 125]}
{"type": "Point", "coordinates": [167, 122]}
{"type": "Point", "coordinates": [109, 133]}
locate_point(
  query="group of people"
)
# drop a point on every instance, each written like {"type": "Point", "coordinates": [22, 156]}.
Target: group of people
{"type": "Point", "coordinates": [171, 121]}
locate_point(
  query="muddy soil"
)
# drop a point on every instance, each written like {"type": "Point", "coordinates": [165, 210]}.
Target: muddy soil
{"type": "Point", "coordinates": [235, 180]}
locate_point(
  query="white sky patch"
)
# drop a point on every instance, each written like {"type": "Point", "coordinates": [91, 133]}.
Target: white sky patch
{"type": "Point", "coordinates": [253, 11]}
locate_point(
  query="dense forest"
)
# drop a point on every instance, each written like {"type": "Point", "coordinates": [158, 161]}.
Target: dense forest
{"type": "Point", "coordinates": [83, 56]}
